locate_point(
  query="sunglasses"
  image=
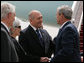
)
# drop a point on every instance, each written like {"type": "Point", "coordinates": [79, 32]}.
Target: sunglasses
{"type": "Point", "coordinates": [17, 26]}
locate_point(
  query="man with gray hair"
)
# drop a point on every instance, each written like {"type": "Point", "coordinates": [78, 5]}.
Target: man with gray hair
{"type": "Point", "coordinates": [67, 41]}
{"type": "Point", "coordinates": [8, 51]}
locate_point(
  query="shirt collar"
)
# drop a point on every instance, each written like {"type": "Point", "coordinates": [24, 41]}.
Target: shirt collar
{"type": "Point", "coordinates": [5, 26]}
{"type": "Point", "coordinates": [33, 27]}
{"type": "Point", "coordinates": [63, 24]}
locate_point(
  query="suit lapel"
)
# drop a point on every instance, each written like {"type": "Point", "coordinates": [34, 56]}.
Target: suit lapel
{"type": "Point", "coordinates": [66, 24]}
{"type": "Point", "coordinates": [4, 28]}
{"type": "Point", "coordinates": [34, 35]}
{"type": "Point", "coordinates": [43, 38]}
{"type": "Point", "coordinates": [60, 30]}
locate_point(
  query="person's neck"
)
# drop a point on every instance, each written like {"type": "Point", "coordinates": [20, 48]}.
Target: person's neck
{"type": "Point", "coordinates": [33, 26]}
{"type": "Point", "coordinates": [65, 20]}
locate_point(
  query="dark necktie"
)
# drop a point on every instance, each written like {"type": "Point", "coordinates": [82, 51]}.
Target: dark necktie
{"type": "Point", "coordinates": [39, 36]}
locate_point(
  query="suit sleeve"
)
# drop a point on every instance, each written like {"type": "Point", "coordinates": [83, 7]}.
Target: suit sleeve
{"type": "Point", "coordinates": [52, 44]}
{"type": "Point", "coordinates": [67, 45]}
{"type": "Point", "coordinates": [28, 57]}
{"type": "Point", "coordinates": [5, 53]}
{"type": "Point", "coordinates": [8, 52]}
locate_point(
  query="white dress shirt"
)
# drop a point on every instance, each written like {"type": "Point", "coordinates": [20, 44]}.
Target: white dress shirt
{"type": "Point", "coordinates": [34, 28]}
{"type": "Point", "coordinates": [63, 24]}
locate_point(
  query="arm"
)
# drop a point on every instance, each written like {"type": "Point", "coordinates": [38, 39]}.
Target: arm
{"type": "Point", "coordinates": [24, 43]}
{"type": "Point", "coordinates": [67, 46]}
{"type": "Point", "coordinates": [5, 53]}
{"type": "Point", "coordinates": [8, 52]}
{"type": "Point", "coordinates": [51, 44]}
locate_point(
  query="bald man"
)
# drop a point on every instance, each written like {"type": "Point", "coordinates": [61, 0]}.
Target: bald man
{"type": "Point", "coordinates": [35, 40]}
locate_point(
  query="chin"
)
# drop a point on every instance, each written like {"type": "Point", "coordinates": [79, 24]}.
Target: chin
{"type": "Point", "coordinates": [39, 27]}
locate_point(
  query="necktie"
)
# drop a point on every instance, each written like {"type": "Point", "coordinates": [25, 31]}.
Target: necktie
{"type": "Point", "coordinates": [38, 34]}
{"type": "Point", "coordinates": [40, 37]}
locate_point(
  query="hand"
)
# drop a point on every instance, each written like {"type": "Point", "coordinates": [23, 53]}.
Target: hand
{"type": "Point", "coordinates": [44, 59]}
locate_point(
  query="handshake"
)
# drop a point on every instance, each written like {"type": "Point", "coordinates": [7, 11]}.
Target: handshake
{"type": "Point", "coordinates": [44, 59]}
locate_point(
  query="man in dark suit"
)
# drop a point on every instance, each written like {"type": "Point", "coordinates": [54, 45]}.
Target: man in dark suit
{"type": "Point", "coordinates": [67, 41]}
{"type": "Point", "coordinates": [35, 40]}
{"type": "Point", "coordinates": [8, 52]}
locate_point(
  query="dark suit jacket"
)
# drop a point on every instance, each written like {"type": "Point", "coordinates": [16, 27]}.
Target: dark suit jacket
{"type": "Point", "coordinates": [30, 42]}
{"type": "Point", "coordinates": [8, 52]}
{"type": "Point", "coordinates": [20, 51]}
{"type": "Point", "coordinates": [67, 44]}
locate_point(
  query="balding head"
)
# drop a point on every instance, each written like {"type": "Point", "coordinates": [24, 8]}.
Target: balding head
{"type": "Point", "coordinates": [33, 13]}
{"type": "Point", "coordinates": [35, 18]}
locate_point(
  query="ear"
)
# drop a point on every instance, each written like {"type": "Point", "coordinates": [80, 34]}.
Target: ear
{"type": "Point", "coordinates": [62, 16]}
{"type": "Point", "coordinates": [9, 15]}
{"type": "Point", "coordinates": [30, 20]}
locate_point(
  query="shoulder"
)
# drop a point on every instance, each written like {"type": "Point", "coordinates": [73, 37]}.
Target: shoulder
{"type": "Point", "coordinates": [24, 30]}
{"type": "Point", "coordinates": [71, 27]}
{"type": "Point", "coordinates": [4, 36]}
{"type": "Point", "coordinates": [43, 31]}
{"type": "Point", "coordinates": [3, 31]}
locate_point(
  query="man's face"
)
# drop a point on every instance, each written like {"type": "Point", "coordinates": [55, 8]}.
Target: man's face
{"type": "Point", "coordinates": [11, 18]}
{"type": "Point", "coordinates": [37, 21]}
{"type": "Point", "coordinates": [59, 18]}
{"type": "Point", "coordinates": [15, 31]}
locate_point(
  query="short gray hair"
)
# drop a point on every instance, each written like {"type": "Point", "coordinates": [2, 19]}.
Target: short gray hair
{"type": "Point", "coordinates": [66, 11]}
{"type": "Point", "coordinates": [6, 8]}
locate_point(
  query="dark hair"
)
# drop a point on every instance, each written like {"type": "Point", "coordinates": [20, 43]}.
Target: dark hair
{"type": "Point", "coordinates": [17, 26]}
{"type": "Point", "coordinates": [66, 11]}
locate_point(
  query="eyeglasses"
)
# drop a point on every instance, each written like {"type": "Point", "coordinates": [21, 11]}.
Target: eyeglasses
{"type": "Point", "coordinates": [17, 26]}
